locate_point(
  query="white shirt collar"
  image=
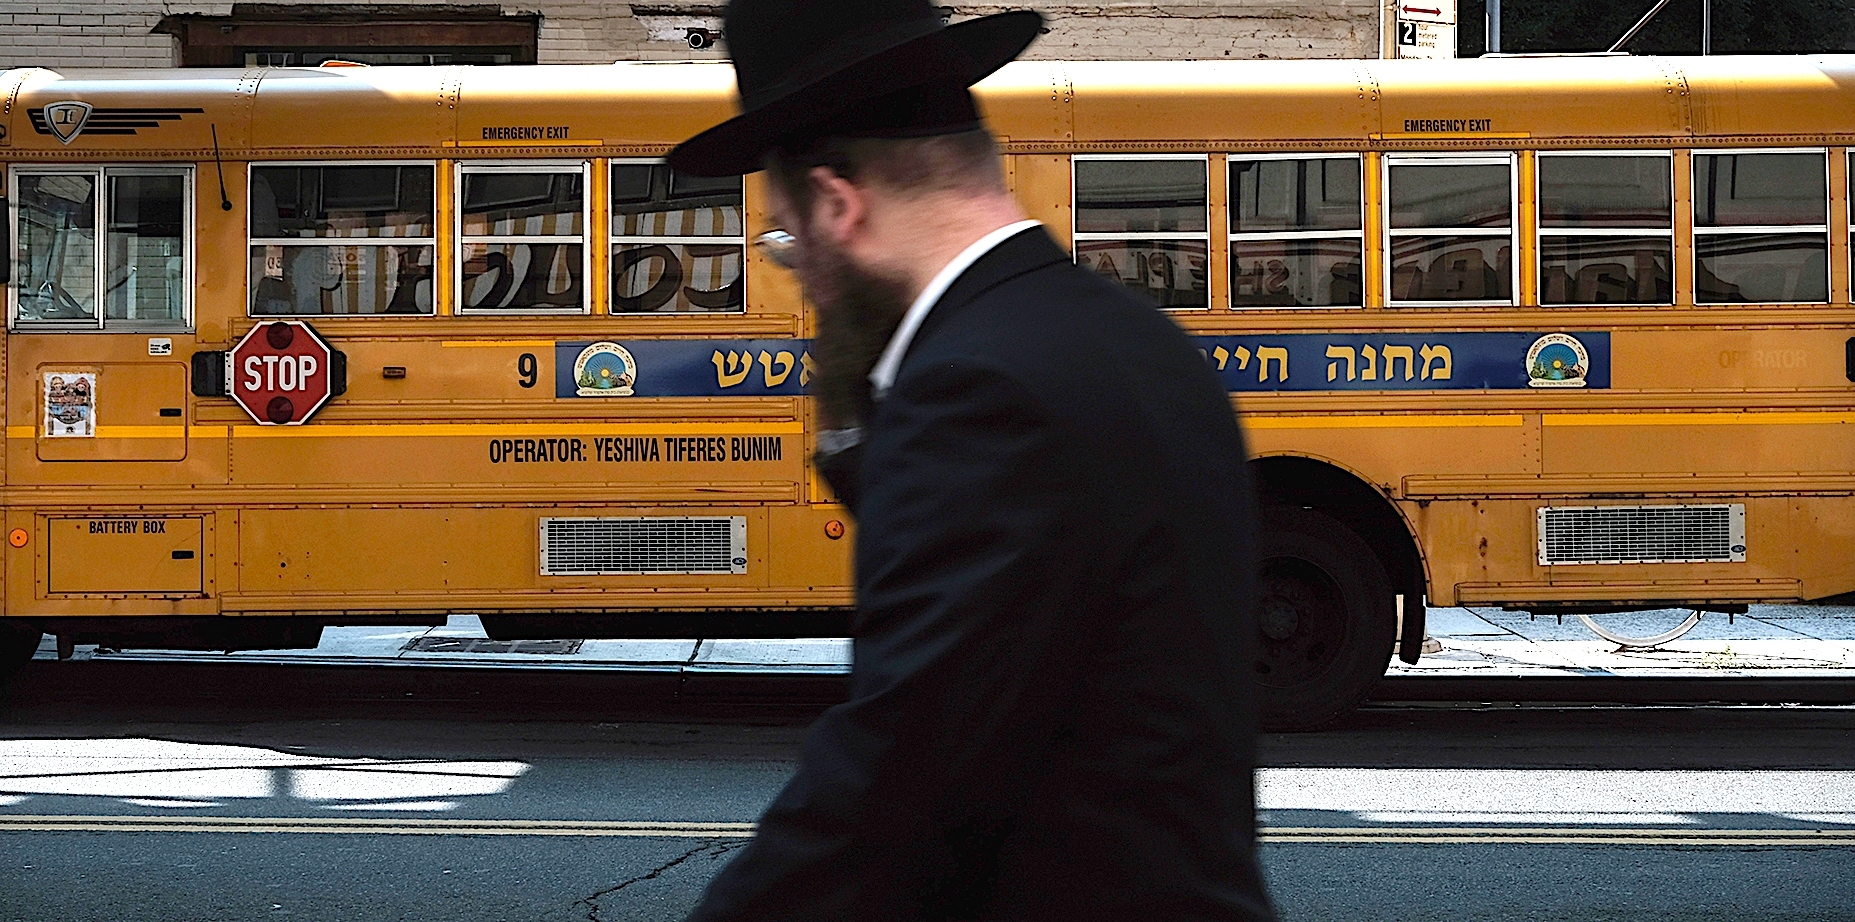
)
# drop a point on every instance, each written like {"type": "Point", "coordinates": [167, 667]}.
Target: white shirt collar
{"type": "Point", "coordinates": [890, 364]}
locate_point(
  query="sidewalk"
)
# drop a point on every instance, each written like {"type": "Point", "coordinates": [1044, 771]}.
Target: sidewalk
{"type": "Point", "coordinates": [1788, 641]}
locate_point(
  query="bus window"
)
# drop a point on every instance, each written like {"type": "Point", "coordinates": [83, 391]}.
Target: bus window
{"type": "Point", "coordinates": [521, 239]}
{"type": "Point", "coordinates": [1450, 228]}
{"type": "Point", "coordinates": [1761, 227]}
{"type": "Point", "coordinates": [1606, 228]}
{"type": "Point", "coordinates": [678, 241]}
{"type": "Point", "coordinates": [142, 278]}
{"type": "Point", "coordinates": [1295, 231]}
{"type": "Point", "coordinates": [342, 239]}
{"type": "Point", "coordinates": [1144, 222]}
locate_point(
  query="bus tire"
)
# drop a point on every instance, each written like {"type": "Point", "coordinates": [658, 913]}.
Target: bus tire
{"type": "Point", "coordinates": [16, 649]}
{"type": "Point", "coordinates": [1325, 619]}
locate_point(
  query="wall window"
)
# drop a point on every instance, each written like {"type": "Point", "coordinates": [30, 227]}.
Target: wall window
{"type": "Point", "coordinates": [135, 274]}
{"type": "Point", "coordinates": [1450, 225]}
{"type": "Point", "coordinates": [1761, 227]}
{"type": "Point", "coordinates": [522, 238]}
{"type": "Point", "coordinates": [342, 239]}
{"type": "Point", "coordinates": [678, 242]}
{"type": "Point", "coordinates": [1606, 228]}
{"type": "Point", "coordinates": [1144, 222]}
{"type": "Point", "coordinates": [1295, 231]}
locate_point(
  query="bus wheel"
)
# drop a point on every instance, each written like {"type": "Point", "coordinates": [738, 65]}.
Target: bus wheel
{"type": "Point", "coordinates": [16, 649]}
{"type": "Point", "coordinates": [1326, 619]}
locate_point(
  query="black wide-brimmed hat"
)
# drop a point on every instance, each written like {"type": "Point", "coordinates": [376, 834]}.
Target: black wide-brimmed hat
{"type": "Point", "coordinates": [881, 68]}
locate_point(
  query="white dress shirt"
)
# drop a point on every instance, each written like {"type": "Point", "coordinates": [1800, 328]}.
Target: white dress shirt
{"type": "Point", "coordinates": [882, 377]}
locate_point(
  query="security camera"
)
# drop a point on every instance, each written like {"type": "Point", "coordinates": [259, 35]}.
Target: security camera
{"type": "Point", "coordinates": [700, 39]}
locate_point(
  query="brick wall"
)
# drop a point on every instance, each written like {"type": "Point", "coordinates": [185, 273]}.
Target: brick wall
{"type": "Point", "coordinates": [116, 33]}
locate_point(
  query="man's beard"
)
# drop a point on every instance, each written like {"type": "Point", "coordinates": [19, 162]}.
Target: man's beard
{"type": "Point", "coordinates": [858, 311]}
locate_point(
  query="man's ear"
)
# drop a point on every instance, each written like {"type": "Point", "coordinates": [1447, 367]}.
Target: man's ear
{"type": "Point", "coordinates": [839, 206]}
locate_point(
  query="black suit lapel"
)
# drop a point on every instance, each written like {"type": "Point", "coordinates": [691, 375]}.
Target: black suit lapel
{"type": "Point", "coordinates": [1023, 252]}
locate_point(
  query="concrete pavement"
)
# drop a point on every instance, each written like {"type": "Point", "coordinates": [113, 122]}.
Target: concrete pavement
{"type": "Point", "coordinates": [1790, 641]}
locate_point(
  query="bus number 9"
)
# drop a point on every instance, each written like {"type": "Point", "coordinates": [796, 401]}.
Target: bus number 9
{"type": "Point", "coordinates": [529, 369]}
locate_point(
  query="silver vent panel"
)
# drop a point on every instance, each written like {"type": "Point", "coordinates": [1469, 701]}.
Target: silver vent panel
{"type": "Point", "coordinates": [1642, 534]}
{"type": "Point", "coordinates": [643, 545]}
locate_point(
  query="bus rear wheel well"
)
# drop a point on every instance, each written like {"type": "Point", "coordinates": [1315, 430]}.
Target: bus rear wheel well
{"type": "Point", "coordinates": [1313, 484]}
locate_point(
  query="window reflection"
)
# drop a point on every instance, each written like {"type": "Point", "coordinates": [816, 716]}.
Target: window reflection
{"type": "Point", "coordinates": [1170, 272]}
{"type": "Point", "coordinates": [1143, 223]}
{"type": "Point", "coordinates": [1451, 269]}
{"type": "Point", "coordinates": [1141, 196]}
{"type": "Point", "coordinates": [1450, 228]}
{"type": "Point", "coordinates": [1761, 233]}
{"type": "Point", "coordinates": [1761, 268]}
{"type": "Point", "coordinates": [1606, 270]}
{"type": "Point", "coordinates": [1451, 195]}
{"type": "Point", "coordinates": [57, 247]}
{"type": "Point", "coordinates": [1296, 273]}
{"type": "Point", "coordinates": [678, 241]}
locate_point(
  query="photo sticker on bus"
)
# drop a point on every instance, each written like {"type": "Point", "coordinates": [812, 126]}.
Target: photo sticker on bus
{"type": "Point", "coordinates": [70, 404]}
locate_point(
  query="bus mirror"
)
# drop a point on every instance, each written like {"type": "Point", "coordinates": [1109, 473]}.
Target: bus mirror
{"type": "Point", "coordinates": [209, 374]}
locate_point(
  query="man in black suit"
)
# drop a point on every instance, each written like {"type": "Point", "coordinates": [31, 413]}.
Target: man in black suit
{"type": "Point", "coordinates": [1050, 715]}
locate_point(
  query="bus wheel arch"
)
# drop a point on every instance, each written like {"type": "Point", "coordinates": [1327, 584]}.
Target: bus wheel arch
{"type": "Point", "coordinates": [1334, 551]}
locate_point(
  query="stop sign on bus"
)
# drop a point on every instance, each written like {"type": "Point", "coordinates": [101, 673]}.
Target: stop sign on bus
{"type": "Point", "coordinates": [281, 372]}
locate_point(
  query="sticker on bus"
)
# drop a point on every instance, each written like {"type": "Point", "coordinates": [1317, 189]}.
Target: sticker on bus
{"type": "Point", "coordinates": [70, 404]}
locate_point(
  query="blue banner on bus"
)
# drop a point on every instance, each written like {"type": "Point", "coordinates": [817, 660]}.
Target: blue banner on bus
{"type": "Point", "coordinates": [683, 368]}
{"type": "Point", "coordinates": [1289, 362]}
{"type": "Point", "coordinates": [1404, 361]}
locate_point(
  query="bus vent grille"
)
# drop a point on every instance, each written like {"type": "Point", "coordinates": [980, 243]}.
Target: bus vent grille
{"type": "Point", "coordinates": [1642, 534]}
{"type": "Point", "coordinates": [622, 546]}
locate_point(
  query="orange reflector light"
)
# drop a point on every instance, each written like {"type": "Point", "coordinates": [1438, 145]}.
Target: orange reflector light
{"type": "Point", "coordinates": [834, 529]}
{"type": "Point", "coordinates": [18, 537]}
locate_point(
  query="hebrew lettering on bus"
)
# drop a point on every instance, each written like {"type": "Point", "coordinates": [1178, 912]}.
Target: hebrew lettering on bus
{"type": "Point", "coordinates": [1377, 361]}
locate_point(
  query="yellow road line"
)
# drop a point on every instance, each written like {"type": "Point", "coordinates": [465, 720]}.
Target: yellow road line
{"type": "Point", "coordinates": [1461, 421]}
{"type": "Point", "coordinates": [1339, 835]}
{"type": "Point", "coordinates": [436, 430]}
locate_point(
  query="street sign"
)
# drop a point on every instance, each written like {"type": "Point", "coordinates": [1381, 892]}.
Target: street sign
{"type": "Point", "coordinates": [1440, 12]}
{"type": "Point", "coordinates": [1426, 40]}
{"type": "Point", "coordinates": [1425, 29]}
{"type": "Point", "coordinates": [282, 372]}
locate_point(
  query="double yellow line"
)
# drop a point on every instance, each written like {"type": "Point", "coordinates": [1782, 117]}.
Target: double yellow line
{"type": "Point", "coordinates": [1275, 835]}
{"type": "Point", "coordinates": [374, 826]}
{"type": "Point", "coordinates": [1553, 835]}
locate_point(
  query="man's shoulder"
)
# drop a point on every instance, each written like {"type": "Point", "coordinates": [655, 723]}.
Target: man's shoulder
{"type": "Point", "coordinates": [1051, 310]}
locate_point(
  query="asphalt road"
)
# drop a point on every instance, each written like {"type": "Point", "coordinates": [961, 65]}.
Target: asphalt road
{"type": "Point", "coordinates": [172, 793]}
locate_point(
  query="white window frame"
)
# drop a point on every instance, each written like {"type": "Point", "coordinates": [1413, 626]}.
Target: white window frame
{"type": "Point", "coordinates": [584, 239]}
{"type": "Point", "coordinates": [1541, 231]}
{"type": "Point", "coordinates": [615, 240]}
{"type": "Point", "coordinates": [1078, 236]}
{"type": "Point", "coordinates": [102, 172]}
{"type": "Point", "coordinates": [251, 241]}
{"type": "Point", "coordinates": [1271, 236]}
{"type": "Point", "coordinates": [1756, 229]}
{"type": "Point", "coordinates": [1512, 160]}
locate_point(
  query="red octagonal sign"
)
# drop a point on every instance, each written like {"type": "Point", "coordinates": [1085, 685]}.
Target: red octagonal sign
{"type": "Point", "coordinates": [281, 372]}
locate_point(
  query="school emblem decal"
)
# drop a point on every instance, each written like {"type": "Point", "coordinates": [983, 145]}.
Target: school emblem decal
{"type": "Point", "coordinates": [605, 370]}
{"type": "Point", "coordinates": [1557, 360]}
{"type": "Point", "coordinates": [67, 119]}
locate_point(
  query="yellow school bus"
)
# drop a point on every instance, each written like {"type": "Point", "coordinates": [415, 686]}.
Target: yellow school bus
{"type": "Point", "coordinates": [1563, 335]}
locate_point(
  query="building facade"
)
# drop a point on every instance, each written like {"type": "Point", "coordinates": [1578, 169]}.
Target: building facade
{"type": "Point", "coordinates": [179, 33]}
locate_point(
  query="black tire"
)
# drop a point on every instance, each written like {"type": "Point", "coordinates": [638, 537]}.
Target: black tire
{"type": "Point", "coordinates": [1325, 619]}
{"type": "Point", "coordinates": [16, 649]}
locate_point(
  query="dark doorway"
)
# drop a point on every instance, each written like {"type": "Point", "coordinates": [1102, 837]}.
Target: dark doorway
{"type": "Point", "coordinates": [291, 35]}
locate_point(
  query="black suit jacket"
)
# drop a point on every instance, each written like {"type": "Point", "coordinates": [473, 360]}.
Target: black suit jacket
{"type": "Point", "coordinates": [1050, 715]}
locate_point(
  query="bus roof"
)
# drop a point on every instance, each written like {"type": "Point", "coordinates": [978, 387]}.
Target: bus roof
{"type": "Point", "coordinates": [640, 109]}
